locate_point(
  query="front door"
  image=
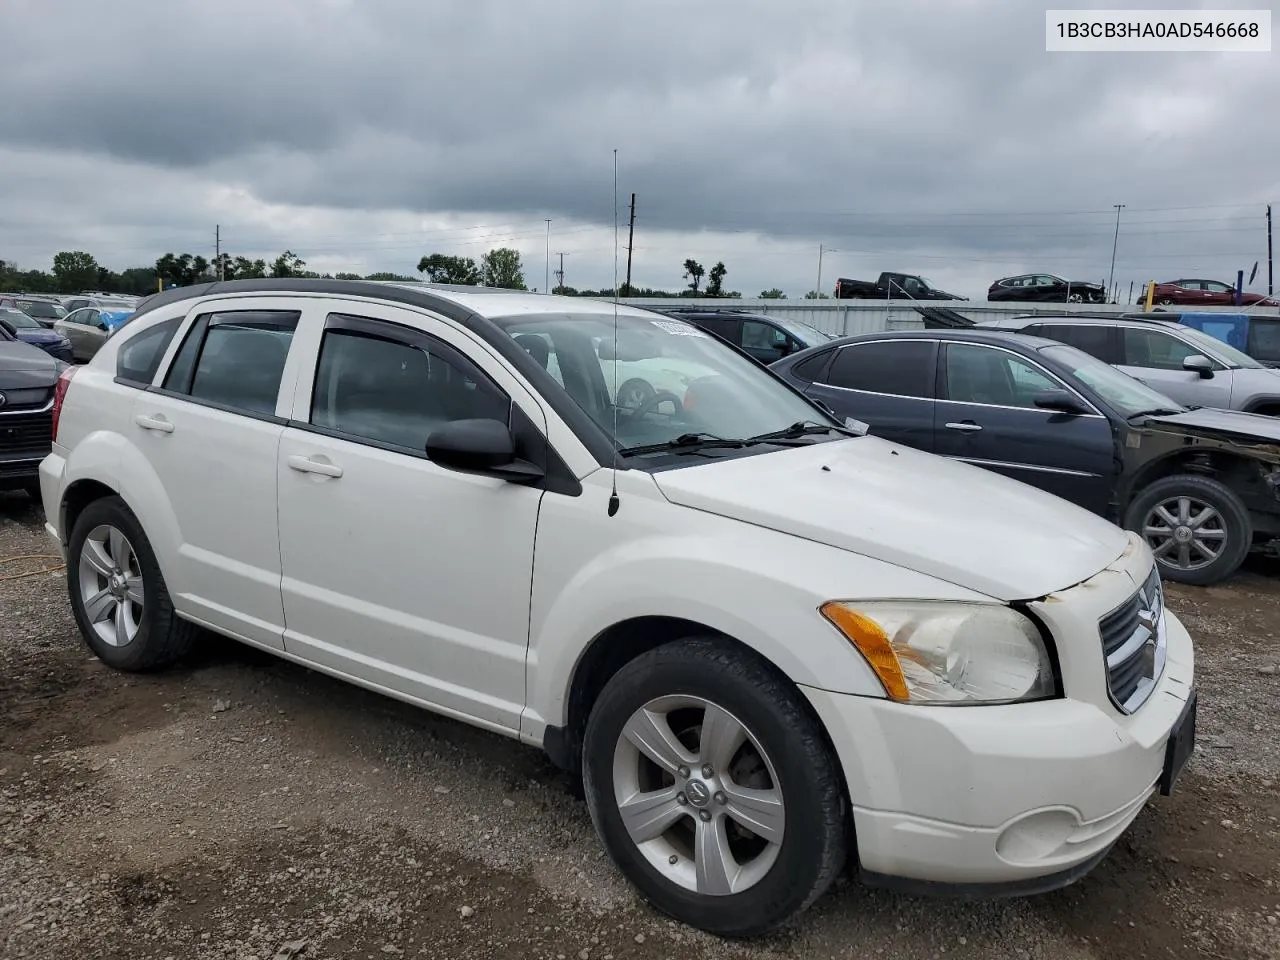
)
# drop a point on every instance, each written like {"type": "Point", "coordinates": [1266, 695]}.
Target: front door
{"type": "Point", "coordinates": [986, 415]}
{"type": "Point", "coordinates": [210, 431]}
{"type": "Point", "coordinates": [1156, 357]}
{"type": "Point", "coordinates": [399, 573]}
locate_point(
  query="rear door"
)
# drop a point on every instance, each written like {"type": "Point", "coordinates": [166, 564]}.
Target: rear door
{"type": "Point", "coordinates": [986, 415]}
{"type": "Point", "coordinates": [210, 428]}
{"type": "Point", "coordinates": [887, 384]}
{"type": "Point", "coordinates": [727, 328]}
{"type": "Point", "coordinates": [1156, 356]}
{"type": "Point", "coordinates": [1097, 340]}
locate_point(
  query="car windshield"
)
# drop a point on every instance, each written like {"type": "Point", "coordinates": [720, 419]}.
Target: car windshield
{"type": "Point", "coordinates": [18, 320]}
{"type": "Point", "coordinates": [1128, 396]}
{"type": "Point", "coordinates": [668, 380]}
{"type": "Point", "coordinates": [810, 336]}
{"type": "Point", "coordinates": [42, 308]}
{"type": "Point", "coordinates": [1234, 357]}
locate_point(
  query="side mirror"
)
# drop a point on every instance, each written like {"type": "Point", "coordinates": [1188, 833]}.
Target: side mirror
{"type": "Point", "coordinates": [1059, 400]}
{"type": "Point", "coordinates": [479, 446]}
{"type": "Point", "coordinates": [1200, 365]}
{"type": "Point", "coordinates": [102, 326]}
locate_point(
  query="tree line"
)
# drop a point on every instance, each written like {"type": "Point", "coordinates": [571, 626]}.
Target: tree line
{"type": "Point", "coordinates": [76, 270]}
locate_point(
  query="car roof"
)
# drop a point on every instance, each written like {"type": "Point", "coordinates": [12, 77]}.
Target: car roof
{"type": "Point", "coordinates": [991, 337]}
{"type": "Point", "coordinates": [461, 303]}
{"type": "Point", "coordinates": [1091, 319]}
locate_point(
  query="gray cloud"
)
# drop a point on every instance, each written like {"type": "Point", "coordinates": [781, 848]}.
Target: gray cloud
{"type": "Point", "coordinates": [906, 134]}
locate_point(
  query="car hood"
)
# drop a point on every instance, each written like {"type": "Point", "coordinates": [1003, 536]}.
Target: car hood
{"type": "Point", "coordinates": [1250, 429]}
{"type": "Point", "coordinates": [940, 517]}
{"type": "Point", "coordinates": [40, 336]}
{"type": "Point", "coordinates": [26, 365]}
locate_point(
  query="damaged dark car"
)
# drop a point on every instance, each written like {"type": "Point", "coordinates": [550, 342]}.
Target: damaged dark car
{"type": "Point", "coordinates": [1199, 485]}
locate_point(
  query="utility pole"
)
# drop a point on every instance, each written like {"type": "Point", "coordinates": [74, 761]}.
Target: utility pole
{"type": "Point", "coordinates": [560, 272]}
{"type": "Point", "coordinates": [631, 238]}
{"type": "Point", "coordinates": [547, 279]}
{"type": "Point", "coordinates": [217, 248]}
{"type": "Point", "coordinates": [821, 251]}
{"type": "Point", "coordinates": [1115, 243]}
{"type": "Point", "coordinates": [1269, 291]}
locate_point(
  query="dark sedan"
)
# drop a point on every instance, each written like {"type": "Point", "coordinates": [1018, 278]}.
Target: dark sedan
{"type": "Point", "coordinates": [28, 377]}
{"type": "Point", "coordinates": [1046, 288]}
{"type": "Point", "coordinates": [1199, 485]}
{"type": "Point", "coordinates": [29, 330]}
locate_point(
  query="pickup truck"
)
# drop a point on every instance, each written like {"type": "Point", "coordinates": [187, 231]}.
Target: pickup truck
{"type": "Point", "coordinates": [892, 286]}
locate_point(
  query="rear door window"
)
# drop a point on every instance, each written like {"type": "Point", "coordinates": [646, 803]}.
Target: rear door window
{"type": "Point", "coordinates": [900, 368]}
{"type": "Point", "coordinates": [235, 359]}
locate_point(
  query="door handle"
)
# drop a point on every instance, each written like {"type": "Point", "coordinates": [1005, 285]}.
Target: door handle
{"type": "Point", "coordinates": [158, 423]}
{"type": "Point", "coordinates": [966, 427]}
{"type": "Point", "coordinates": [307, 465]}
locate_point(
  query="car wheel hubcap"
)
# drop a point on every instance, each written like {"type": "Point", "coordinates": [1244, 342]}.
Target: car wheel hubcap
{"type": "Point", "coordinates": [1185, 533]}
{"type": "Point", "coordinates": [111, 585]}
{"type": "Point", "coordinates": [698, 795]}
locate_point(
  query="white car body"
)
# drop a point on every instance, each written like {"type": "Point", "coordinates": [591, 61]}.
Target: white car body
{"type": "Point", "coordinates": [349, 576]}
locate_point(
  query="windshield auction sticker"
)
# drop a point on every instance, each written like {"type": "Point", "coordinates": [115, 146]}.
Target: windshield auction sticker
{"type": "Point", "coordinates": [1158, 31]}
{"type": "Point", "coordinates": [677, 328]}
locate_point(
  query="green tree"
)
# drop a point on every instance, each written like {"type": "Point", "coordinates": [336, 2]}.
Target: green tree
{"type": "Point", "coordinates": [442, 268]}
{"type": "Point", "coordinates": [394, 277]}
{"type": "Point", "coordinates": [245, 269]}
{"type": "Point", "coordinates": [773, 293]}
{"type": "Point", "coordinates": [502, 267]}
{"type": "Point", "coordinates": [289, 264]}
{"type": "Point", "coordinates": [816, 295]}
{"type": "Point", "coordinates": [74, 270]}
{"type": "Point", "coordinates": [693, 272]}
{"type": "Point", "coordinates": [715, 281]}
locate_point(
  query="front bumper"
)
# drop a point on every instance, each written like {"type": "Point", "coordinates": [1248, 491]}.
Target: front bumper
{"type": "Point", "coordinates": [1025, 796]}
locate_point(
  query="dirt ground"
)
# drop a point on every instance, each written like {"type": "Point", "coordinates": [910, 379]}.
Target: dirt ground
{"type": "Point", "coordinates": [241, 807]}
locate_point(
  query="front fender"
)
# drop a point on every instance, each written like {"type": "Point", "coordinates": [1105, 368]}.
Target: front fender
{"type": "Point", "coordinates": [760, 587]}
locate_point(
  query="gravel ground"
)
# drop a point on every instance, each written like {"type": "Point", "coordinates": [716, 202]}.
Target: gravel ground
{"type": "Point", "coordinates": [241, 807]}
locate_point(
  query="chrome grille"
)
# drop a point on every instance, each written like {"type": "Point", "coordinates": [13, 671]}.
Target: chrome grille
{"type": "Point", "coordinates": [1133, 643]}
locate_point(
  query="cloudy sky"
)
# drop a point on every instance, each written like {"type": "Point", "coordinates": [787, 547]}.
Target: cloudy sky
{"type": "Point", "coordinates": [931, 136]}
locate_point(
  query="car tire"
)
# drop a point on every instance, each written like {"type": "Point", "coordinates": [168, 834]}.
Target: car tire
{"type": "Point", "coordinates": [757, 882]}
{"type": "Point", "coordinates": [1228, 525]}
{"type": "Point", "coordinates": [637, 392]}
{"type": "Point", "coordinates": [1165, 302]}
{"type": "Point", "coordinates": [118, 594]}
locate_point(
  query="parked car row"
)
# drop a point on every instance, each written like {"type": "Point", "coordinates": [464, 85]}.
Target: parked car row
{"type": "Point", "coordinates": [752, 631]}
{"type": "Point", "coordinates": [77, 325]}
{"type": "Point", "coordinates": [1200, 485]}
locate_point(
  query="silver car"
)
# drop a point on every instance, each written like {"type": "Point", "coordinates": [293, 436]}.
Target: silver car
{"type": "Point", "coordinates": [1182, 363]}
{"type": "Point", "coordinates": [88, 329]}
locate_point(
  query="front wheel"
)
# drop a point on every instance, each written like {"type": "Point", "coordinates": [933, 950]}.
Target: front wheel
{"type": "Point", "coordinates": [713, 788]}
{"type": "Point", "coordinates": [1197, 527]}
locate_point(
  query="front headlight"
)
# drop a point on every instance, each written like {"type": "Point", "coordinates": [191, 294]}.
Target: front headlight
{"type": "Point", "coordinates": [950, 654]}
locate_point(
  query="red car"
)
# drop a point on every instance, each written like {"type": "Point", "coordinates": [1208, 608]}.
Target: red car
{"type": "Point", "coordinates": [1204, 293]}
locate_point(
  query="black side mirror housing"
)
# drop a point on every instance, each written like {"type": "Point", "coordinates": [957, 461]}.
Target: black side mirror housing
{"type": "Point", "coordinates": [480, 446]}
{"type": "Point", "coordinates": [1200, 365]}
{"type": "Point", "coordinates": [1059, 400]}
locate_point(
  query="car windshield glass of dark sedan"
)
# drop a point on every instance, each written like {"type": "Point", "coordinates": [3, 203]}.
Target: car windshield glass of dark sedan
{"type": "Point", "coordinates": [1126, 395]}
{"type": "Point", "coordinates": [42, 308]}
{"type": "Point", "coordinates": [669, 378]}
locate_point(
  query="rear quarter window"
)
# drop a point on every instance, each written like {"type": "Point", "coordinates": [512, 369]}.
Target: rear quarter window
{"type": "Point", "coordinates": [138, 358]}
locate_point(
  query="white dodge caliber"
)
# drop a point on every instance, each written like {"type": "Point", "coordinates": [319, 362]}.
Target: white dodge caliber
{"type": "Point", "coordinates": [769, 646]}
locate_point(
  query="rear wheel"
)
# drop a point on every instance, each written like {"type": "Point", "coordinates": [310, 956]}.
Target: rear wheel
{"type": "Point", "coordinates": [118, 594]}
{"type": "Point", "coordinates": [1197, 527]}
{"type": "Point", "coordinates": [713, 789]}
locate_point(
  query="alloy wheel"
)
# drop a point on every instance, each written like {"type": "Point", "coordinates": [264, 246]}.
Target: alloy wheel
{"type": "Point", "coordinates": [111, 588]}
{"type": "Point", "coordinates": [1185, 532]}
{"type": "Point", "coordinates": [698, 795]}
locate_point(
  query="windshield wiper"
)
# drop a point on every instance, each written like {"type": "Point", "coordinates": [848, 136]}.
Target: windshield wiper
{"type": "Point", "coordinates": [801, 428]}
{"type": "Point", "coordinates": [1155, 412]}
{"type": "Point", "coordinates": [685, 443]}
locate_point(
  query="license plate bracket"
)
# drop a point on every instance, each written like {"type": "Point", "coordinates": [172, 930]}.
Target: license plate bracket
{"type": "Point", "coordinates": [1180, 745]}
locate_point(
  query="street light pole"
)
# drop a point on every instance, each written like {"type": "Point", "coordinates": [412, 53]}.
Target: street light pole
{"type": "Point", "coordinates": [821, 251]}
{"type": "Point", "coordinates": [546, 283]}
{"type": "Point", "coordinates": [1114, 244]}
